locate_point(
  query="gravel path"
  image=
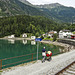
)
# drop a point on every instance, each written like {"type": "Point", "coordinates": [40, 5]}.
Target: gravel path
{"type": "Point", "coordinates": [47, 68]}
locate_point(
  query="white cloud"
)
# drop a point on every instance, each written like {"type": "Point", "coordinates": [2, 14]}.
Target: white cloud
{"type": "Point", "coordinates": [63, 2]}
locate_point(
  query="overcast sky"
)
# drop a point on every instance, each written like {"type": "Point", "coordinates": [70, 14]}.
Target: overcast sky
{"type": "Point", "coordinates": [63, 2]}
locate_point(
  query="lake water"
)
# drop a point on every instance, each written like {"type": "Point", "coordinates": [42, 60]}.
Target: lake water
{"type": "Point", "coordinates": [12, 48]}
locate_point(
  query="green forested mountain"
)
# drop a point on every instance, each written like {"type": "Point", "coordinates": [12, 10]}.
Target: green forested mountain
{"type": "Point", "coordinates": [58, 12]}
{"type": "Point", "coordinates": [13, 20]}
{"type": "Point", "coordinates": [27, 24]}
{"type": "Point", "coordinates": [16, 7]}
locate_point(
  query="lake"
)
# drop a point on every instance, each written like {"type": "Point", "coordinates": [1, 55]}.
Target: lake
{"type": "Point", "coordinates": [29, 50]}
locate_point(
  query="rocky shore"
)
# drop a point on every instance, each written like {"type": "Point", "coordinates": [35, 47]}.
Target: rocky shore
{"type": "Point", "coordinates": [67, 47]}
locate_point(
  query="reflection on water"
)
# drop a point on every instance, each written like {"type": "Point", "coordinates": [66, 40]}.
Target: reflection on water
{"type": "Point", "coordinates": [33, 43]}
{"type": "Point", "coordinates": [11, 48]}
{"type": "Point", "coordinates": [11, 41]}
{"type": "Point", "coordinates": [24, 41]}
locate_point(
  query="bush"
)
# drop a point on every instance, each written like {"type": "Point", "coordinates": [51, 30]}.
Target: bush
{"type": "Point", "coordinates": [54, 37]}
{"type": "Point", "coordinates": [51, 39]}
{"type": "Point", "coordinates": [42, 37]}
{"type": "Point", "coordinates": [37, 34]}
{"type": "Point", "coordinates": [73, 32]}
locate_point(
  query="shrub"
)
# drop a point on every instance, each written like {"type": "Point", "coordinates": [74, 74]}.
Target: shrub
{"type": "Point", "coordinates": [42, 37]}
{"type": "Point", "coordinates": [54, 37]}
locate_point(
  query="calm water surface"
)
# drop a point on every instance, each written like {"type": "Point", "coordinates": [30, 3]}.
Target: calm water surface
{"type": "Point", "coordinates": [12, 48]}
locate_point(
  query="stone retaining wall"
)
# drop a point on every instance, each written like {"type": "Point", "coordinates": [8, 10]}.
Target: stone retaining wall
{"type": "Point", "coordinates": [67, 41]}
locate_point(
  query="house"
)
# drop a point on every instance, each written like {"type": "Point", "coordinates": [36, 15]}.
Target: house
{"type": "Point", "coordinates": [65, 34]}
{"type": "Point", "coordinates": [33, 37]}
{"type": "Point", "coordinates": [24, 35]}
{"type": "Point", "coordinates": [11, 36]}
{"type": "Point", "coordinates": [50, 34]}
{"type": "Point", "coordinates": [44, 35]}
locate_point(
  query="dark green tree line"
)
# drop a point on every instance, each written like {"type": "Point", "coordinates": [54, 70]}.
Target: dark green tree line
{"type": "Point", "coordinates": [27, 24]}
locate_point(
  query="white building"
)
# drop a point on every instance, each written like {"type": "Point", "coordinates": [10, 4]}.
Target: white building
{"type": "Point", "coordinates": [11, 36]}
{"type": "Point", "coordinates": [44, 35]}
{"type": "Point", "coordinates": [33, 37]}
{"type": "Point", "coordinates": [51, 33]}
{"type": "Point", "coordinates": [24, 35]}
{"type": "Point", "coordinates": [64, 33]}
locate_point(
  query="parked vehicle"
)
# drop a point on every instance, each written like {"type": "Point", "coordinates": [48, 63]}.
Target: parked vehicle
{"type": "Point", "coordinates": [72, 36]}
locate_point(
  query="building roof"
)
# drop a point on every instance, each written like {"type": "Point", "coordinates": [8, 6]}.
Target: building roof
{"type": "Point", "coordinates": [66, 30]}
{"type": "Point", "coordinates": [51, 32]}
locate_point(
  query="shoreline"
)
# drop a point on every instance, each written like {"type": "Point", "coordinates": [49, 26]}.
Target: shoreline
{"type": "Point", "coordinates": [15, 38]}
{"type": "Point", "coordinates": [67, 47]}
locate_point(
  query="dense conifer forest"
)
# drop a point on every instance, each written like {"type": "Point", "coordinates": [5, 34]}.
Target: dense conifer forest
{"type": "Point", "coordinates": [36, 25]}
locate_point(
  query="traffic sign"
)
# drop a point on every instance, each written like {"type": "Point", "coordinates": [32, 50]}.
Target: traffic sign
{"type": "Point", "coordinates": [38, 39]}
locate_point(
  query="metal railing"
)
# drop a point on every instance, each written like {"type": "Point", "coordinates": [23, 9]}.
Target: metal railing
{"type": "Point", "coordinates": [31, 58]}
{"type": "Point", "coordinates": [17, 57]}
{"type": "Point", "coordinates": [0, 64]}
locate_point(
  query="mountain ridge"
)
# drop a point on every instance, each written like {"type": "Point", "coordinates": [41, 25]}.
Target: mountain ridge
{"type": "Point", "coordinates": [15, 7]}
{"type": "Point", "coordinates": [26, 2]}
{"type": "Point", "coordinates": [54, 11]}
{"type": "Point", "coordinates": [58, 11]}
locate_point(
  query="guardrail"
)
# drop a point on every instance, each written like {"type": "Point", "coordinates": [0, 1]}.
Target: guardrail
{"type": "Point", "coordinates": [31, 58]}
{"type": "Point", "coordinates": [17, 57]}
{"type": "Point", "coordinates": [0, 64]}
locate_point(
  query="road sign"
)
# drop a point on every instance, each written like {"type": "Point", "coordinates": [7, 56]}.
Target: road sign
{"type": "Point", "coordinates": [38, 39]}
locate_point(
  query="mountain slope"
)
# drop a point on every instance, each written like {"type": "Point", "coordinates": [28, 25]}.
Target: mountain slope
{"type": "Point", "coordinates": [26, 2]}
{"type": "Point", "coordinates": [15, 7]}
{"type": "Point", "coordinates": [58, 11]}
{"type": "Point", "coordinates": [27, 24]}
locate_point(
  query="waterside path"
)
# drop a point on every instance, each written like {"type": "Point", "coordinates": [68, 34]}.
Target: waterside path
{"type": "Point", "coordinates": [47, 68]}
